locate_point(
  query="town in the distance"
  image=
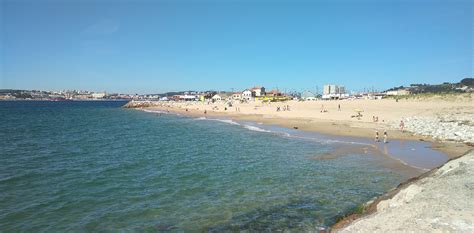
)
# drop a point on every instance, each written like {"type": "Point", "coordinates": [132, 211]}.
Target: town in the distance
{"type": "Point", "coordinates": [329, 91]}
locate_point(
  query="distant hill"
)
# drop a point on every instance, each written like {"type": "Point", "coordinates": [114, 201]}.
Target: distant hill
{"type": "Point", "coordinates": [464, 85]}
{"type": "Point", "coordinates": [468, 82]}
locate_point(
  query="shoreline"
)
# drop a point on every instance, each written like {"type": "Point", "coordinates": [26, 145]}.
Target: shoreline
{"type": "Point", "coordinates": [332, 128]}
{"type": "Point", "coordinates": [453, 150]}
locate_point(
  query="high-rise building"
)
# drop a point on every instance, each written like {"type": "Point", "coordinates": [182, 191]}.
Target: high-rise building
{"type": "Point", "coordinates": [331, 89]}
{"type": "Point", "coordinates": [326, 89]}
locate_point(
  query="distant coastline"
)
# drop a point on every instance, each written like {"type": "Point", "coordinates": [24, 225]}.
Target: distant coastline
{"type": "Point", "coordinates": [66, 100]}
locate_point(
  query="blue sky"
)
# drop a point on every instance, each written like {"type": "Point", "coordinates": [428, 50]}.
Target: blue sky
{"type": "Point", "coordinates": [149, 46]}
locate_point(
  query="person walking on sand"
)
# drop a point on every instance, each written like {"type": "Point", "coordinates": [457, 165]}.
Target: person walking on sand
{"type": "Point", "coordinates": [385, 136]}
{"type": "Point", "coordinates": [402, 125]}
{"type": "Point", "coordinates": [377, 136]}
{"type": "Point", "coordinates": [339, 107]}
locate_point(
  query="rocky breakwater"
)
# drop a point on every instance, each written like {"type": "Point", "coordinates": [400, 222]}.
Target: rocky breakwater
{"type": "Point", "coordinates": [454, 127]}
{"type": "Point", "coordinates": [140, 104]}
{"type": "Point", "coordinates": [440, 201]}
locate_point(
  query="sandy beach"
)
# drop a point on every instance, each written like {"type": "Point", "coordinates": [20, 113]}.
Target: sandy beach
{"type": "Point", "coordinates": [445, 122]}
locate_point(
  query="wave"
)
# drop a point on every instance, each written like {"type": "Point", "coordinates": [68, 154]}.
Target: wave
{"type": "Point", "coordinates": [231, 122]}
{"type": "Point", "coordinates": [227, 121]}
{"type": "Point", "coordinates": [154, 111]}
{"type": "Point", "coordinates": [254, 128]}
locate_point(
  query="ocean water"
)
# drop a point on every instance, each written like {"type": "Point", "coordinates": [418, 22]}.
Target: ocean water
{"type": "Point", "coordinates": [93, 166]}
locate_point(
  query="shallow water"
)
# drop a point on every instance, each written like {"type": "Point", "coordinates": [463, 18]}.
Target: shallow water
{"type": "Point", "coordinates": [415, 154]}
{"type": "Point", "coordinates": [93, 166]}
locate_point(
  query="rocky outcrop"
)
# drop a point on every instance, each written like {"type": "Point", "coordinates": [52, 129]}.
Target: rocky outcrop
{"type": "Point", "coordinates": [139, 104]}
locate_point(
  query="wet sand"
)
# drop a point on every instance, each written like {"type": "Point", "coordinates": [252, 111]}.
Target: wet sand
{"type": "Point", "coordinates": [406, 157]}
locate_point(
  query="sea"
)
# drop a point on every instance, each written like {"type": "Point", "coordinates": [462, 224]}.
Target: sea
{"type": "Point", "coordinates": [93, 166]}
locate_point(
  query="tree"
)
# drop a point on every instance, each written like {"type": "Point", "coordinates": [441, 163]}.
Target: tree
{"type": "Point", "coordinates": [468, 82]}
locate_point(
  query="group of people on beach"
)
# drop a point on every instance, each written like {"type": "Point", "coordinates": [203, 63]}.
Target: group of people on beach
{"type": "Point", "coordinates": [285, 108]}
{"type": "Point", "coordinates": [323, 109]}
{"type": "Point", "coordinates": [385, 136]}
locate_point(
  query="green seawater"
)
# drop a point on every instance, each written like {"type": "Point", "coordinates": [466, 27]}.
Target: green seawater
{"type": "Point", "coordinates": [95, 167]}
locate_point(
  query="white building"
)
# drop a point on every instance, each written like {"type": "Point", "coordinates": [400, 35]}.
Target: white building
{"type": "Point", "coordinates": [331, 91]}
{"type": "Point", "coordinates": [216, 98]}
{"type": "Point", "coordinates": [308, 96]}
{"type": "Point", "coordinates": [247, 95]}
{"type": "Point", "coordinates": [398, 92]}
{"type": "Point", "coordinates": [98, 95]}
{"type": "Point", "coordinates": [258, 91]}
{"type": "Point", "coordinates": [189, 97]}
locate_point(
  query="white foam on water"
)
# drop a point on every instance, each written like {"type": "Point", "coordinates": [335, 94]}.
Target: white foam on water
{"type": "Point", "coordinates": [227, 121]}
{"type": "Point", "coordinates": [231, 122]}
{"type": "Point", "coordinates": [326, 141]}
{"type": "Point", "coordinates": [254, 128]}
{"type": "Point", "coordinates": [153, 111]}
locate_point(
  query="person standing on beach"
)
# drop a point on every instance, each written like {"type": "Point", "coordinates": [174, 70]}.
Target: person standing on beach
{"type": "Point", "coordinates": [385, 136]}
{"type": "Point", "coordinates": [402, 125]}
{"type": "Point", "coordinates": [377, 136]}
{"type": "Point", "coordinates": [339, 107]}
